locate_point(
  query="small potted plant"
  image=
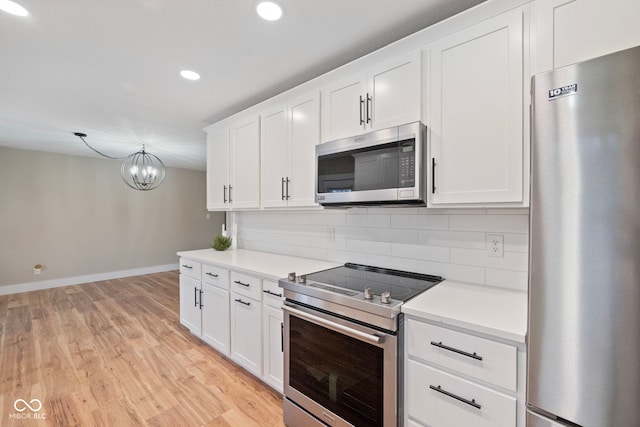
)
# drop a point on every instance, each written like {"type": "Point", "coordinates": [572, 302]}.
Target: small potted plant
{"type": "Point", "coordinates": [221, 243]}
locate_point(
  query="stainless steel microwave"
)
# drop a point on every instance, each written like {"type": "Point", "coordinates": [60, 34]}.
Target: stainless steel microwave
{"type": "Point", "coordinates": [385, 167]}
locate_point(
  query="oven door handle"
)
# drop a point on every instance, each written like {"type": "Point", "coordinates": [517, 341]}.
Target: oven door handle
{"type": "Point", "coordinates": [354, 333]}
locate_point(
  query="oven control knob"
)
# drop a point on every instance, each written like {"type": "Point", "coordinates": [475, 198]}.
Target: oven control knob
{"type": "Point", "coordinates": [302, 279]}
{"type": "Point", "coordinates": [368, 293]}
{"type": "Point", "coordinates": [292, 277]}
{"type": "Point", "coordinates": [385, 297]}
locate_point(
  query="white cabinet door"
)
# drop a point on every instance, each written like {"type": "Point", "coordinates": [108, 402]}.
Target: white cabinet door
{"type": "Point", "coordinates": [393, 91]}
{"type": "Point", "coordinates": [383, 96]}
{"type": "Point", "coordinates": [343, 108]}
{"type": "Point", "coordinates": [476, 108]}
{"type": "Point", "coordinates": [246, 332]}
{"type": "Point", "coordinates": [570, 31]}
{"type": "Point", "coordinates": [273, 362]}
{"type": "Point", "coordinates": [244, 189]}
{"type": "Point", "coordinates": [304, 135]}
{"type": "Point", "coordinates": [274, 143]}
{"type": "Point", "coordinates": [190, 304]}
{"type": "Point", "coordinates": [218, 170]}
{"type": "Point", "coordinates": [215, 318]}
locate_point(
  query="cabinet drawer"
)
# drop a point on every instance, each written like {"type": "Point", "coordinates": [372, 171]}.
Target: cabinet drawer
{"type": "Point", "coordinates": [215, 276]}
{"type": "Point", "coordinates": [436, 398]}
{"type": "Point", "coordinates": [190, 268]}
{"type": "Point", "coordinates": [480, 358]}
{"type": "Point", "coordinates": [272, 294]}
{"type": "Point", "coordinates": [246, 285]}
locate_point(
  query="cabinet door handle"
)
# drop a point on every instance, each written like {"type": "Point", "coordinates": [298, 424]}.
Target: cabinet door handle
{"type": "Point", "coordinates": [287, 182]}
{"type": "Point", "coordinates": [282, 188]}
{"type": "Point", "coordinates": [187, 266]}
{"type": "Point", "coordinates": [471, 402]}
{"type": "Point", "coordinates": [455, 350]}
{"type": "Point", "coordinates": [240, 283]}
{"type": "Point", "coordinates": [195, 297]}
{"type": "Point", "coordinates": [281, 337]}
{"type": "Point", "coordinates": [201, 291]}
{"type": "Point", "coordinates": [230, 188]}
{"type": "Point", "coordinates": [243, 302]}
{"type": "Point", "coordinates": [267, 291]}
{"type": "Point", "coordinates": [369, 100]}
{"type": "Point", "coordinates": [211, 274]}
{"type": "Point", "coordinates": [224, 194]}
{"type": "Point", "coordinates": [361, 111]}
{"type": "Point", "coordinates": [433, 175]}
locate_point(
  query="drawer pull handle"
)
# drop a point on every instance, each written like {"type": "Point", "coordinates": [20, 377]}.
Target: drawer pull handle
{"type": "Point", "coordinates": [242, 302]}
{"type": "Point", "coordinates": [211, 274]}
{"type": "Point", "coordinates": [240, 283]}
{"type": "Point", "coordinates": [267, 291]}
{"type": "Point", "coordinates": [187, 266]}
{"type": "Point", "coordinates": [471, 402]}
{"type": "Point", "coordinates": [455, 350]}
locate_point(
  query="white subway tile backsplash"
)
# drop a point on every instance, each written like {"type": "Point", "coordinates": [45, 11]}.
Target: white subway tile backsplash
{"type": "Point", "coordinates": [369, 247]}
{"type": "Point", "coordinates": [452, 239]}
{"type": "Point", "coordinates": [462, 273]}
{"type": "Point", "coordinates": [490, 223]}
{"type": "Point", "coordinates": [369, 220]}
{"type": "Point", "coordinates": [393, 262]}
{"type": "Point", "coordinates": [446, 242]}
{"type": "Point", "coordinates": [428, 253]}
{"type": "Point", "coordinates": [392, 235]}
{"type": "Point", "coordinates": [507, 279]}
{"type": "Point", "coordinates": [510, 261]}
{"type": "Point", "coordinates": [426, 222]}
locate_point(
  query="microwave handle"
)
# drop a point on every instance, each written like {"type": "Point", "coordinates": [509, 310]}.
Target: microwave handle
{"type": "Point", "coordinates": [433, 175]}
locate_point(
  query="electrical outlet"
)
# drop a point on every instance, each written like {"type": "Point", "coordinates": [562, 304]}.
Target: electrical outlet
{"type": "Point", "coordinates": [331, 234]}
{"type": "Point", "coordinates": [495, 245]}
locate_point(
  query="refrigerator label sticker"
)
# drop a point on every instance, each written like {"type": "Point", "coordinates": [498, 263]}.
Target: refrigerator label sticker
{"type": "Point", "coordinates": [563, 91]}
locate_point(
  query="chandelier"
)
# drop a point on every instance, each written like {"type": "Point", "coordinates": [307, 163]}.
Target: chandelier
{"type": "Point", "coordinates": [141, 170]}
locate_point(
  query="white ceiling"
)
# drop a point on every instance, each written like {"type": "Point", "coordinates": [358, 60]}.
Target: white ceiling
{"type": "Point", "coordinates": [111, 68]}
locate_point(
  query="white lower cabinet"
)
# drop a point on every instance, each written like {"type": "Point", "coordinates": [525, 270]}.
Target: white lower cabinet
{"type": "Point", "coordinates": [457, 379]}
{"type": "Point", "coordinates": [190, 314]}
{"type": "Point", "coordinates": [238, 314]}
{"type": "Point", "coordinates": [272, 329]}
{"type": "Point", "coordinates": [215, 317]}
{"type": "Point", "coordinates": [439, 399]}
{"type": "Point", "coordinates": [246, 332]}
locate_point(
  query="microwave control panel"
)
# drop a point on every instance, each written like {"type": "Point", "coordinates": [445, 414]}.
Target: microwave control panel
{"type": "Point", "coordinates": [407, 160]}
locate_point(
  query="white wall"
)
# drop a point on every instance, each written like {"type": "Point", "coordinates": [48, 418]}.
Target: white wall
{"type": "Point", "coordinates": [76, 217]}
{"type": "Point", "coordinates": [450, 243]}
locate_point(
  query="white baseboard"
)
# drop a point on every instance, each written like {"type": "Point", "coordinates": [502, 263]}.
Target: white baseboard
{"type": "Point", "coordinates": [67, 281]}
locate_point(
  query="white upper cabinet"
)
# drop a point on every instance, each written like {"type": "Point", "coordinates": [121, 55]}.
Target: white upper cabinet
{"type": "Point", "coordinates": [570, 31]}
{"type": "Point", "coordinates": [218, 170]}
{"type": "Point", "coordinates": [476, 110]}
{"type": "Point", "coordinates": [383, 96]}
{"type": "Point", "coordinates": [244, 143]}
{"type": "Point", "coordinates": [289, 134]}
{"type": "Point", "coordinates": [233, 166]}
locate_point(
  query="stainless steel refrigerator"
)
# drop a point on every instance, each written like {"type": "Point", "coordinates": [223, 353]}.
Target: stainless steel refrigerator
{"type": "Point", "coordinates": [584, 274]}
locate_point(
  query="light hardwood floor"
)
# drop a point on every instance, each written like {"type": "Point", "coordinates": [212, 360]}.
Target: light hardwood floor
{"type": "Point", "coordinates": [113, 353]}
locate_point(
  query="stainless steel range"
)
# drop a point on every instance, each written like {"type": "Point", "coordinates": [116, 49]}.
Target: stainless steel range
{"type": "Point", "coordinates": [342, 344]}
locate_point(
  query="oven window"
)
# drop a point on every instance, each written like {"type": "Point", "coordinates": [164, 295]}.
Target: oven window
{"type": "Point", "coordinates": [343, 374]}
{"type": "Point", "coordinates": [380, 167]}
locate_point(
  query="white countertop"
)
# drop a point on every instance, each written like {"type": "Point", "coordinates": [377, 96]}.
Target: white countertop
{"type": "Point", "coordinates": [493, 311]}
{"type": "Point", "coordinates": [266, 265]}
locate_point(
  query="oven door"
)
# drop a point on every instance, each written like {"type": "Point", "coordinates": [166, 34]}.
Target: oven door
{"type": "Point", "coordinates": [341, 372]}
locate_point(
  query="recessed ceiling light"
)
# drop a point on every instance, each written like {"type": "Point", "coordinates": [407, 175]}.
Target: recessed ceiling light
{"type": "Point", "coordinates": [269, 10]}
{"type": "Point", "coordinates": [190, 75]}
{"type": "Point", "coordinates": [13, 8]}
